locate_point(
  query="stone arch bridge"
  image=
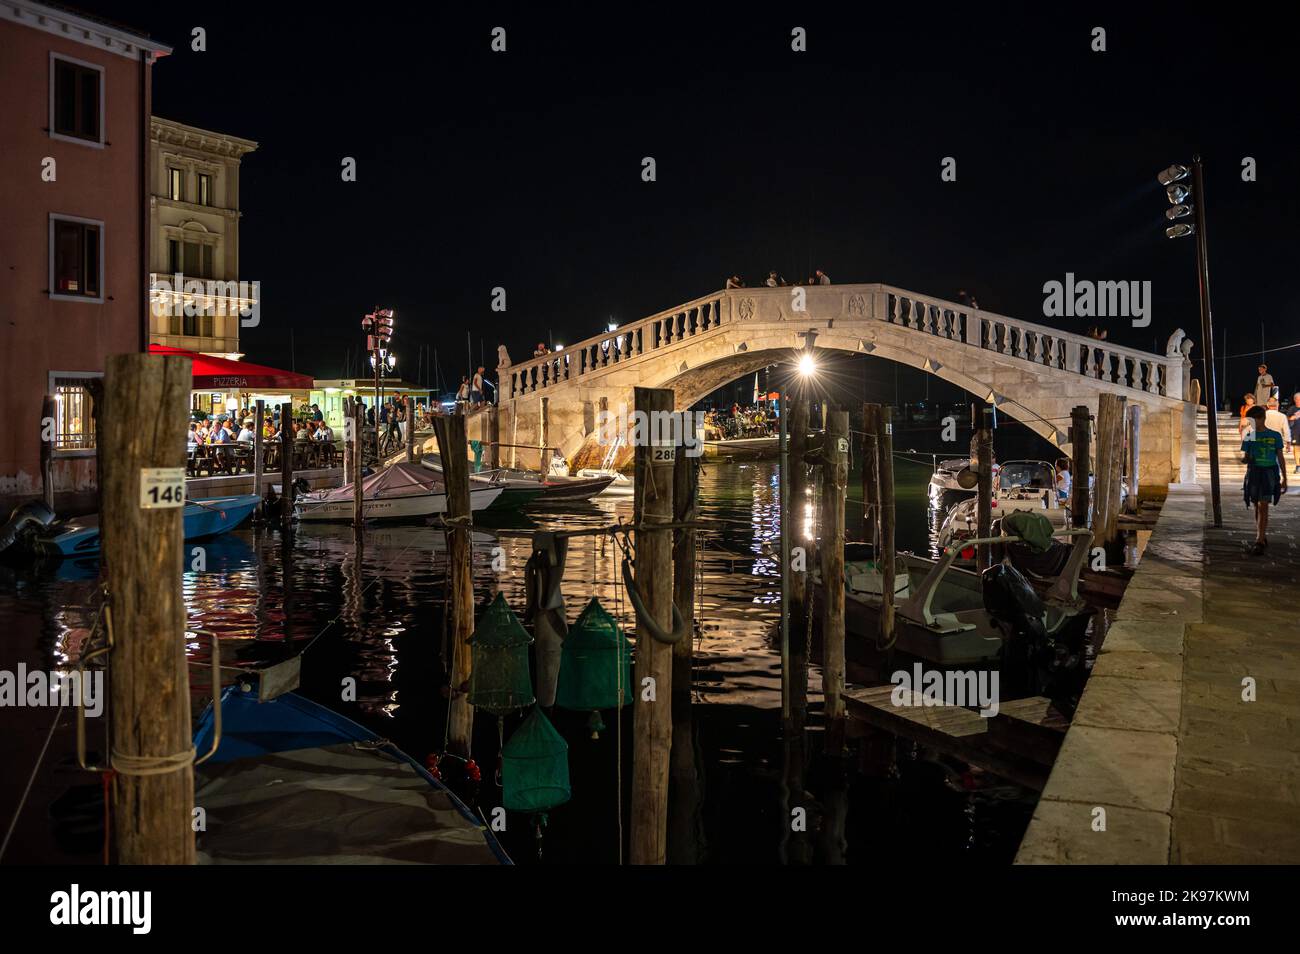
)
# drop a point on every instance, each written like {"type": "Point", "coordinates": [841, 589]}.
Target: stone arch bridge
{"type": "Point", "coordinates": [1032, 372]}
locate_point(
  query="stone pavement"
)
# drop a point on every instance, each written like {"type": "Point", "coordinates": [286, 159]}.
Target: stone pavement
{"type": "Point", "coordinates": [1237, 790]}
{"type": "Point", "coordinates": [1165, 762]}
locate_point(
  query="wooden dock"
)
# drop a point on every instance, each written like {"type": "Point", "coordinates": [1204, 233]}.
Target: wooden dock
{"type": "Point", "coordinates": [1019, 743]}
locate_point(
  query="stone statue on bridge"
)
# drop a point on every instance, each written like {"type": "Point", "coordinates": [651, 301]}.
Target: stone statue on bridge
{"type": "Point", "coordinates": [1179, 343]}
{"type": "Point", "coordinates": [503, 358]}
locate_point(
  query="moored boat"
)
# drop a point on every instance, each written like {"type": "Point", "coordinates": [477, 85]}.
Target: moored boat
{"type": "Point", "coordinates": [80, 536]}
{"type": "Point", "coordinates": [554, 488]}
{"type": "Point", "coordinates": [291, 782]}
{"type": "Point", "coordinates": [400, 492]}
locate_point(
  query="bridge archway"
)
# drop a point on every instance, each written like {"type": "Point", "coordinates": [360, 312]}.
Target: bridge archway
{"type": "Point", "coordinates": [1032, 373]}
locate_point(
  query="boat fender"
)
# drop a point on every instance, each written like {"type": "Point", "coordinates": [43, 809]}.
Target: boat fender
{"type": "Point", "coordinates": [643, 617]}
{"type": "Point", "coordinates": [544, 610]}
{"type": "Point", "coordinates": [25, 516]}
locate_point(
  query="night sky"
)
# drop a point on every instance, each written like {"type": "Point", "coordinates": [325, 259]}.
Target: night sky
{"type": "Point", "coordinates": [523, 170]}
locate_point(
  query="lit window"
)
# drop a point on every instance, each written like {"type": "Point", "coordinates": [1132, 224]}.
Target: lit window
{"type": "Point", "coordinates": [76, 111]}
{"type": "Point", "coordinates": [205, 189]}
{"type": "Point", "coordinates": [74, 422]}
{"type": "Point", "coordinates": [75, 259]}
{"type": "Point", "coordinates": [176, 184]}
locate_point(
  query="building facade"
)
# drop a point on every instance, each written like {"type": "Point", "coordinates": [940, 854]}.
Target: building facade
{"type": "Point", "coordinates": [74, 159]}
{"type": "Point", "coordinates": [198, 300]}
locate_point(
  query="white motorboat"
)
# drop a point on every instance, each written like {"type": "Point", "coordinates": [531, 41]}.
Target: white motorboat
{"type": "Point", "coordinates": [400, 492]}
{"type": "Point", "coordinates": [620, 485]}
{"type": "Point", "coordinates": [1021, 485]}
{"type": "Point", "coordinates": [944, 484]}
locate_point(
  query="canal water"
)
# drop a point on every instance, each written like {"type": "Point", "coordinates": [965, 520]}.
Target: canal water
{"type": "Point", "coordinates": [376, 616]}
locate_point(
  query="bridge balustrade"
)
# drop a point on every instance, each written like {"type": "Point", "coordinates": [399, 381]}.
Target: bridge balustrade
{"type": "Point", "coordinates": [1008, 337]}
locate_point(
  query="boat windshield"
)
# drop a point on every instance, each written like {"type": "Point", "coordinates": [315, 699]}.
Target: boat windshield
{"type": "Point", "coordinates": [1027, 474]}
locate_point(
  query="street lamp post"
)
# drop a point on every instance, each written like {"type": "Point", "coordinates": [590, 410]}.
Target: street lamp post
{"type": "Point", "coordinates": [1174, 180]}
{"type": "Point", "coordinates": [379, 327]}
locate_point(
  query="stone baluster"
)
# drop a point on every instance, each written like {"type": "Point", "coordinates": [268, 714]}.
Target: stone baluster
{"type": "Point", "coordinates": [1021, 351]}
{"type": "Point", "coordinates": [1006, 337]}
{"type": "Point", "coordinates": [1150, 367]}
{"type": "Point", "coordinates": [1123, 370]}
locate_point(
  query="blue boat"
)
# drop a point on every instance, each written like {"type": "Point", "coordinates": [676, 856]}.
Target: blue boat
{"type": "Point", "coordinates": [293, 783]}
{"type": "Point", "coordinates": [210, 517]}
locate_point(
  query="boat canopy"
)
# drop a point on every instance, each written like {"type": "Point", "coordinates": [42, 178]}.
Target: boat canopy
{"type": "Point", "coordinates": [222, 374]}
{"type": "Point", "coordinates": [399, 480]}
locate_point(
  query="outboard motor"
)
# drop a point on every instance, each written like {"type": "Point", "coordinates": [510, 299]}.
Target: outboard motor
{"type": "Point", "coordinates": [1034, 660]}
{"type": "Point", "coordinates": [1011, 601]}
{"type": "Point", "coordinates": [24, 520]}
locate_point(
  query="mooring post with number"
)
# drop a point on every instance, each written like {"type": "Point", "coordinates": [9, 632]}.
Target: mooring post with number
{"type": "Point", "coordinates": [652, 722]}
{"type": "Point", "coordinates": [142, 520]}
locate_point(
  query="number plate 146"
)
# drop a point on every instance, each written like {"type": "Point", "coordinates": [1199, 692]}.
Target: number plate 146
{"type": "Point", "coordinates": [162, 487]}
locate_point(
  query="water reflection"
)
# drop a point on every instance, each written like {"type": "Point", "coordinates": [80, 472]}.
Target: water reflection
{"type": "Point", "coordinates": [375, 614]}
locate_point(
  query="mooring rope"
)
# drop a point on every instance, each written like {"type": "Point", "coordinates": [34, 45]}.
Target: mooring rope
{"type": "Point", "coordinates": [22, 802]}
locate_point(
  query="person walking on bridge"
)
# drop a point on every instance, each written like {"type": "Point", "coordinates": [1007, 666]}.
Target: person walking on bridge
{"type": "Point", "coordinates": [1263, 386]}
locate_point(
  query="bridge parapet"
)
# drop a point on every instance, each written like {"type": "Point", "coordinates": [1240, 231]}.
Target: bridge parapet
{"type": "Point", "coordinates": [613, 348]}
{"type": "Point", "coordinates": [1040, 345]}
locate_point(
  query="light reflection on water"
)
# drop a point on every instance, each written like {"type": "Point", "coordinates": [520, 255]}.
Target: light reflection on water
{"type": "Point", "coordinates": [375, 614]}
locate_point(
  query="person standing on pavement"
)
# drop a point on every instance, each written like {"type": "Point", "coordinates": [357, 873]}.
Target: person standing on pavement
{"type": "Point", "coordinates": [1265, 475]}
{"type": "Point", "coordinates": [1294, 419]}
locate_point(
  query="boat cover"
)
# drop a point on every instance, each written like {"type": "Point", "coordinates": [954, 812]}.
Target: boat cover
{"type": "Point", "coordinates": [341, 804]}
{"type": "Point", "coordinates": [399, 480]}
{"type": "Point", "coordinates": [295, 783]}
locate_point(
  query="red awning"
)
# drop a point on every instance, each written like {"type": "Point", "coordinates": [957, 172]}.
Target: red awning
{"type": "Point", "coordinates": [222, 374]}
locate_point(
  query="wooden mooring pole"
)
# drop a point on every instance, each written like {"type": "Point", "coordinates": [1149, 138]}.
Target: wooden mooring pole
{"type": "Point", "coordinates": [358, 454]}
{"type": "Point", "coordinates": [797, 681]}
{"type": "Point", "coordinates": [684, 794]}
{"type": "Point", "coordinates": [1080, 464]}
{"type": "Point", "coordinates": [879, 426]}
{"type": "Point", "coordinates": [984, 492]}
{"type": "Point", "coordinates": [1134, 445]}
{"type": "Point", "coordinates": [143, 493]}
{"type": "Point", "coordinates": [795, 837]}
{"type": "Point", "coordinates": [349, 422]}
{"type": "Point", "coordinates": [286, 465]}
{"type": "Point", "coordinates": [48, 437]}
{"type": "Point", "coordinates": [450, 434]}
{"type": "Point", "coordinates": [259, 445]}
{"type": "Point", "coordinates": [409, 413]}
{"type": "Point", "coordinates": [835, 478]}
{"type": "Point", "coordinates": [1112, 411]}
{"type": "Point", "coordinates": [652, 683]}
{"type": "Point", "coordinates": [870, 500]}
